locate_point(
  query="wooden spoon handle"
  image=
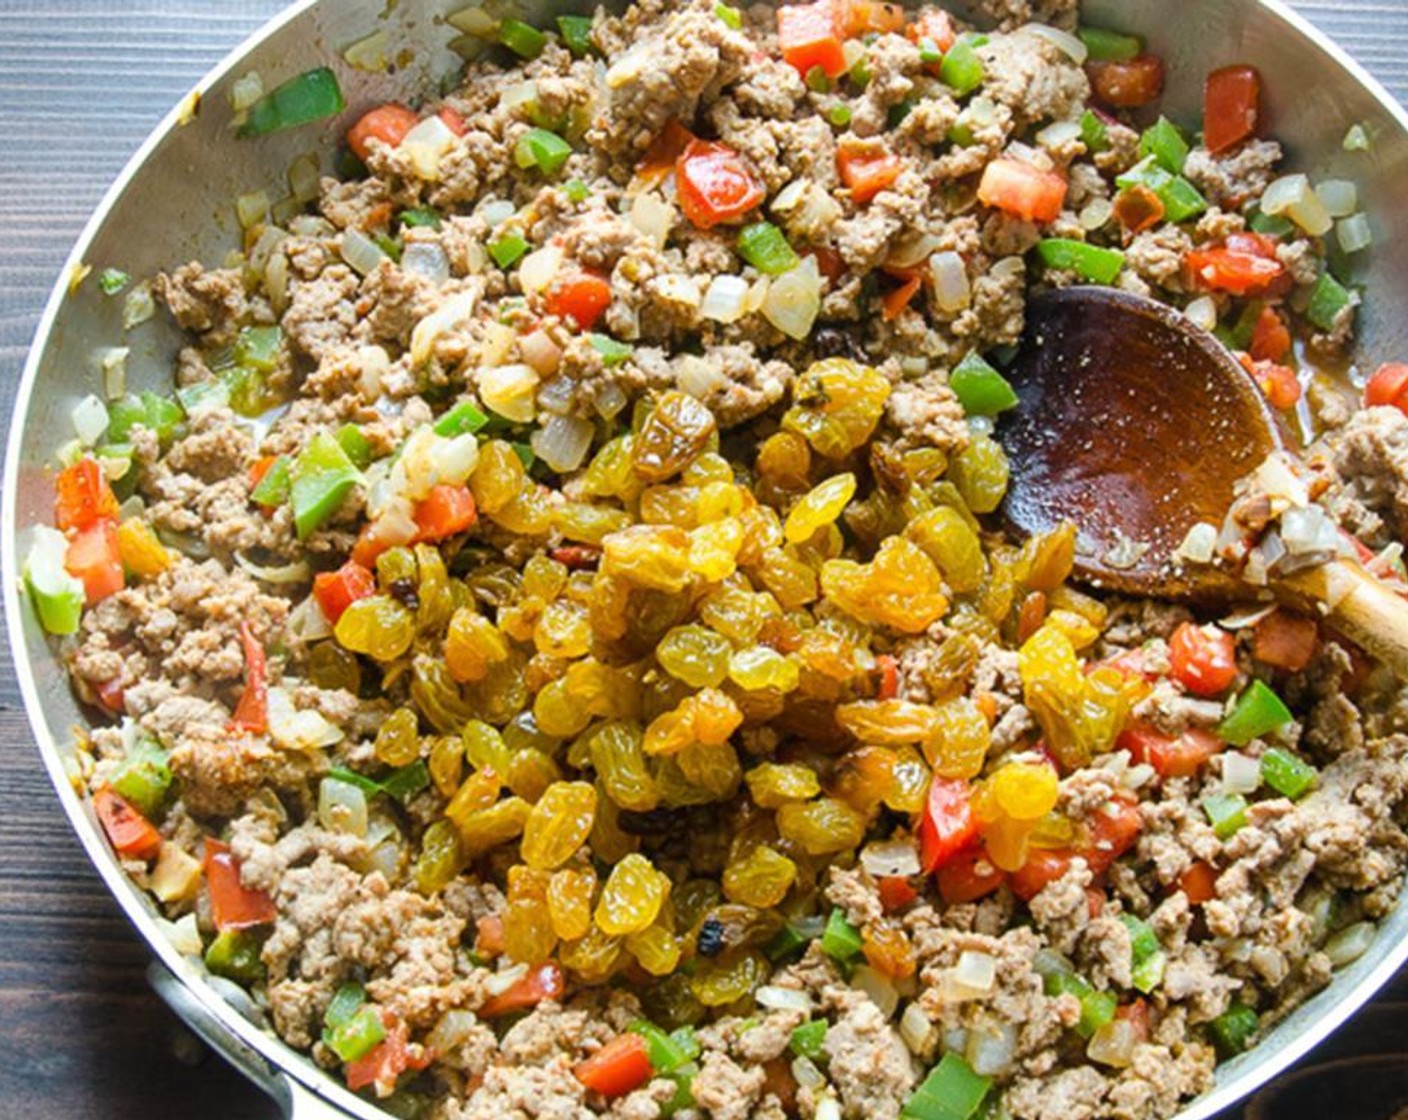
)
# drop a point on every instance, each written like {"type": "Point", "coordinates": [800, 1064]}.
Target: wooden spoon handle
{"type": "Point", "coordinates": [1362, 606]}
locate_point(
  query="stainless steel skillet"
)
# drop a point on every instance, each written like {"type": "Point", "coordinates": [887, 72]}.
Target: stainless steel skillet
{"type": "Point", "coordinates": [174, 202]}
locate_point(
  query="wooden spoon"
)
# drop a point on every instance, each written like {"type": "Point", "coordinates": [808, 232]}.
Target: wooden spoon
{"type": "Point", "coordinates": [1136, 425]}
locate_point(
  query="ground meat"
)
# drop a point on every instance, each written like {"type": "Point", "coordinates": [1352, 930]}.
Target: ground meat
{"type": "Point", "coordinates": [926, 413]}
{"type": "Point", "coordinates": [322, 312]}
{"type": "Point", "coordinates": [869, 1064]}
{"type": "Point", "coordinates": [1231, 179]}
{"type": "Point", "coordinates": [726, 1090]}
{"type": "Point", "coordinates": [211, 303]}
{"type": "Point", "coordinates": [1370, 454]}
{"type": "Point", "coordinates": [1158, 254]}
{"type": "Point", "coordinates": [1033, 77]}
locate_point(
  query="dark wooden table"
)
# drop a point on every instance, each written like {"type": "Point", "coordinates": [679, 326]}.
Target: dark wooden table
{"type": "Point", "coordinates": [81, 1036]}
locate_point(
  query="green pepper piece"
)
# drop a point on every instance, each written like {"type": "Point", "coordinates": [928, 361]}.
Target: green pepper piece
{"type": "Point", "coordinates": [113, 280]}
{"type": "Point", "coordinates": [1227, 812]}
{"type": "Point", "coordinates": [1327, 299]}
{"type": "Point", "coordinates": [1258, 712]}
{"type": "Point", "coordinates": [164, 416]}
{"type": "Point", "coordinates": [1143, 942]}
{"type": "Point", "coordinates": [665, 1054]}
{"type": "Point", "coordinates": [732, 17]}
{"type": "Point", "coordinates": [273, 488]}
{"type": "Point", "coordinates": [345, 1003]}
{"type": "Point", "coordinates": [1096, 1008]}
{"type": "Point", "coordinates": [839, 115]}
{"type": "Point", "coordinates": [809, 1039]}
{"type": "Point", "coordinates": [508, 248]}
{"type": "Point", "coordinates": [523, 39]}
{"type": "Point", "coordinates": [203, 395]}
{"type": "Point", "coordinates": [424, 217]}
{"type": "Point", "coordinates": [766, 248]}
{"type": "Point", "coordinates": [258, 348]}
{"type": "Point", "coordinates": [356, 1037]}
{"type": "Point", "coordinates": [1232, 1031]}
{"type": "Point", "coordinates": [576, 34]}
{"type": "Point", "coordinates": [547, 151]}
{"type": "Point", "coordinates": [358, 447]}
{"type": "Point", "coordinates": [1180, 198]}
{"type": "Point", "coordinates": [144, 778]}
{"type": "Point", "coordinates": [464, 417]}
{"type": "Point", "coordinates": [1110, 46]}
{"type": "Point", "coordinates": [817, 81]}
{"type": "Point", "coordinates": [1166, 144]}
{"type": "Point", "coordinates": [612, 353]}
{"type": "Point", "coordinates": [352, 778]}
{"type": "Point", "coordinates": [860, 72]}
{"type": "Point", "coordinates": [311, 96]}
{"type": "Point", "coordinates": [896, 114]}
{"type": "Point", "coordinates": [322, 476]}
{"type": "Point", "coordinates": [1094, 133]}
{"type": "Point", "coordinates": [525, 454]}
{"type": "Point", "coordinates": [1288, 775]}
{"type": "Point", "coordinates": [962, 69]}
{"type": "Point", "coordinates": [793, 936]}
{"type": "Point", "coordinates": [688, 1041]}
{"type": "Point", "coordinates": [684, 1090]}
{"type": "Point", "coordinates": [929, 52]}
{"type": "Point", "coordinates": [1090, 262]}
{"type": "Point", "coordinates": [840, 940]}
{"type": "Point", "coordinates": [234, 954]}
{"type": "Point", "coordinates": [980, 389]}
{"type": "Point", "coordinates": [1276, 225]}
{"type": "Point", "coordinates": [952, 1091]}
{"type": "Point", "coordinates": [1149, 973]}
{"type": "Point", "coordinates": [57, 596]}
{"type": "Point", "coordinates": [405, 782]}
{"type": "Point", "coordinates": [576, 190]}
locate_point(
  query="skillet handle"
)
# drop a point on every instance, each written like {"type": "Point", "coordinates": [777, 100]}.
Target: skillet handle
{"type": "Point", "coordinates": [295, 1100]}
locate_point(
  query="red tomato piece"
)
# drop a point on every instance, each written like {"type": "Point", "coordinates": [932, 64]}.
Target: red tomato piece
{"type": "Point", "coordinates": [620, 1066]}
{"type": "Point", "coordinates": [1136, 1014]}
{"type": "Point", "coordinates": [387, 123]}
{"type": "Point", "coordinates": [1043, 867]}
{"type": "Point", "coordinates": [543, 982]}
{"type": "Point", "coordinates": [1173, 757]}
{"type": "Point", "coordinates": [894, 302]}
{"type": "Point", "coordinates": [453, 120]}
{"type": "Point", "coordinates": [969, 876]}
{"type": "Point", "coordinates": [1388, 386]}
{"type": "Point", "coordinates": [810, 35]}
{"type": "Point", "coordinates": [1022, 190]}
{"type": "Point", "coordinates": [1285, 641]}
{"type": "Point", "coordinates": [1203, 659]}
{"type": "Point", "coordinates": [1199, 883]}
{"type": "Point", "coordinates": [1238, 272]}
{"type": "Point", "coordinates": [1127, 85]}
{"type": "Point", "coordinates": [336, 591]}
{"type": "Point", "coordinates": [947, 825]}
{"type": "Point", "coordinates": [489, 936]}
{"type": "Point", "coordinates": [388, 1059]}
{"type": "Point", "coordinates": [1271, 338]}
{"type": "Point", "coordinates": [130, 833]}
{"type": "Point", "coordinates": [252, 712]}
{"type": "Point", "coordinates": [864, 17]}
{"type": "Point", "coordinates": [1139, 208]}
{"type": "Point", "coordinates": [714, 183]}
{"type": "Point", "coordinates": [889, 677]}
{"type": "Point", "coordinates": [1231, 107]}
{"type": "Point", "coordinates": [936, 26]}
{"type": "Point", "coordinates": [95, 557]}
{"type": "Point", "coordinates": [896, 892]}
{"type": "Point", "coordinates": [232, 904]}
{"type": "Point", "coordinates": [83, 496]}
{"type": "Point", "coordinates": [1113, 830]}
{"type": "Point", "coordinates": [445, 512]}
{"type": "Point", "coordinates": [828, 262]}
{"type": "Point", "coordinates": [111, 696]}
{"type": "Point", "coordinates": [1279, 383]}
{"type": "Point", "coordinates": [867, 169]}
{"type": "Point", "coordinates": [580, 296]}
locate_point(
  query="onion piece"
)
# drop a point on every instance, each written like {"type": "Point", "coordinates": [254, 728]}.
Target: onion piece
{"type": "Point", "coordinates": [724, 299]}
{"type": "Point", "coordinates": [827, 1108]}
{"type": "Point", "coordinates": [426, 145]}
{"type": "Point", "coordinates": [496, 211]}
{"type": "Point", "coordinates": [138, 306]}
{"type": "Point", "coordinates": [252, 208]}
{"type": "Point", "coordinates": [297, 572]}
{"type": "Point", "coordinates": [1340, 196]}
{"type": "Point", "coordinates": [361, 252]}
{"type": "Point", "coordinates": [1355, 233]}
{"type": "Point", "coordinates": [952, 291]}
{"type": "Point", "coordinates": [538, 269]}
{"type": "Point", "coordinates": [1067, 43]}
{"type": "Point", "coordinates": [806, 1073]}
{"type": "Point", "coordinates": [976, 970]}
{"type": "Point", "coordinates": [610, 400]}
{"type": "Point", "coordinates": [652, 216]}
{"type": "Point", "coordinates": [879, 987]}
{"type": "Point", "coordinates": [916, 1029]}
{"type": "Point", "coordinates": [112, 361]}
{"type": "Point", "coordinates": [794, 300]}
{"type": "Point", "coordinates": [428, 259]}
{"type": "Point", "coordinates": [307, 623]}
{"type": "Point", "coordinates": [539, 350]}
{"type": "Point", "coordinates": [1058, 133]}
{"type": "Point", "coordinates": [885, 858]}
{"type": "Point", "coordinates": [1350, 943]}
{"type": "Point", "coordinates": [991, 1053]}
{"type": "Point", "coordinates": [182, 934]}
{"type": "Point", "coordinates": [373, 364]}
{"type": "Point", "coordinates": [448, 317]}
{"type": "Point", "coordinates": [1293, 197]}
{"type": "Point", "coordinates": [511, 391]}
{"type": "Point", "coordinates": [454, 459]}
{"type": "Point", "coordinates": [1202, 312]}
{"type": "Point", "coordinates": [342, 807]}
{"type": "Point", "coordinates": [563, 442]}
{"type": "Point", "coordinates": [520, 93]}
{"type": "Point", "coordinates": [913, 251]}
{"type": "Point", "coordinates": [296, 729]}
{"type": "Point", "coordinates": [1113, 1044]}
{"type": "Point", "coordinates": [504, 979]}
{"type": "Point", "coordinates": [784, 999]}
{"type": "Point", "coordinates": [305, 178]}
{"type": "Point", "coordinates": [699, 377]}
{"type": "Point", "coordinates": [1095, 214]}
{"type": "Point", "coordinates": [1241, 773]}
{"type": "Point", "coordinates": [90, 420]}
{"type": "Point", "coordinates": [245, 91]}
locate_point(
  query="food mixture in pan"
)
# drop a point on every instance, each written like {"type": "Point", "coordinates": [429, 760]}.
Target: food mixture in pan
{"type": "Point", "coordinates": [558, 648]}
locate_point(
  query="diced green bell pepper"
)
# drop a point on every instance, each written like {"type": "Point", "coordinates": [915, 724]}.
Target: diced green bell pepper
{"type": "Point", "coordinates": [144, 778]}
{"type": "Point", "coordinates": [234, 954]}
{"type": "Point", "coordinates": [358, 447]}
{"type": "Point", "coordinates": [766, 248]}
{"type": "Point", "coordinates": [839, 115]}
{"type": "Point", "coordinates": [273, 488]}
{"type": "Point", "coordinates": [57, 596]}
{"type": "Point", "coordinates": [612, 353]}
{"type": "Point", "coordinates": [508, 248]}
{"type": "Point", "coordinates": [952, 1091]}
{"type": "Point", "coordinates": [1094, 133]}
{"type": "Point", "coordinates": [345, 1003]}
{"type": "Point", "coordinates": [405, 782]}
{"type": "Point", "coordinates": [523, 39]}
{"type": "Point", "coordinates": [666, 1055]}
{"type": "Point", "coordinates": [980, 389]}
{"type": "Point", "coordinates": [576, 34]}
{"type": "Point", "coordinates": [1090, 262]}
{"type": "Point", "coordinates": [688, 1041]}
{"type": "Point", "coordinates": [1232, 1030]}
{"type": "Point", "coordinates": [840, 940]}
{"type": "Point", "coordinates": [962, 69]}
{"type": "Point", "coordinates": [322, 476]}
{"type": "Point", "coordinates": [1110, 46]}
{"type": "Point", "coordinates": [547, 151]}
{"type": "Point", "coordinates": [203, 395]}
{"type": "Point", "coordinates": [1227, 813]}
{"type": "Point", "coordinates": [684, 1090]}
{"type": "Point", "coordinates": [731, 17]}
{"type": "Point", "coordinates": [809, 1039]}
{"type": "Point", "coordinates": [1288, 775]}
{"type": "Point", "coordinates": [1276, 225]}
{"type": "Point", "coordinates": [525, 454]}
{"type": "Point", "coordinates": [1166, 144]}
{"type": "Point", "coordinates": [1327, 299]}
{"type": "Point", "coordinates": [1149, 973]}
{"type": "Point", "coordinates": [352, 778]}
{"type": "Point", "coordinates": [258, 347]}
{"type": "Point", "coordinates": [309, 97]}
{"type": "Point", "coordinates": [1180, 198]}
{"type": "Point", "coordinates": [159, 415]}
{"type": "Point", "coordinates": [929, 52]}
{"type": "Point", "coordinates": [113, 280]}
{"type": "Point", "coordinates": [357, 1035]}
{"type": "Point", "coordinates": [1097, 1008]}
{"type": "Point", "coordinates": [576, 190]}
{"type": "Point", "coordinates": [1147, 959]}
{"type": "Point", "coordinates": [464, 417]}
{"type": "Point", "coordinates": [423, 217]}
{"type": "Point", "coordinates": [1258, 711]}
{"type": "Point", "coordinates": [793, 936]}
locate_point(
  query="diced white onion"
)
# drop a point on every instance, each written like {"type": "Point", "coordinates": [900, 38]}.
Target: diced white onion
{"type": "Point", "coordinates": [806, 1073]}
{"type": "Point", "coordinates": [884, 858]}
{"type": "Point", "coordinates": [510, 391]}
{"type": "Point", "coordinates": [1095, 214]}
{"type": "Point", "coordinates": [497, 344]}
{"type": "Point", "coordinates": [916, 1029]}
{"type": "Point", "coordinates": [1277, 478]}
{"type": "Point", "coordinates": [296, 729]}
{"type": "Point", "coordinates": [361, 252]}
{"type": "Point", "coordinates": [757, 295]}
{"type": "Point", "coordinates": [914, 366]}
{"type": "Point", "coordinates": [425, 146]}
{"type": "Point", "coordinates": [428, 259]}
{"type": "Point", "coordinates": [539, 350]}
{"type": "Point", "coordinates": [448, 317]}
{"type": "Point", "coordinates": [879, 987]}
{"type": "Point", "coordinates": [537, 270]}
{"type": "Point", "coordinates": [699, 377]}
{"type": "Point", "coordinates": [503, 980]}
{"type": "Point", "coordinates": [497, 211]}
{"type": "Point", "coordinates": [473, 20]}
{"type": "Point", "coordinates": [1292, 196]}
{"type": "Point", "coordinates": [1356, 139]}
{"type": "Point", "coordinates": [1245, 617]}
{"type": "Point", "coordinates": [1350, 943]}
{"type": "Point", "coordinates": [1202, 312]}
{"type": "Point", "coordinates": [138, 306]}
{"type": "Point", "coordinates": [1199, 544]}
{"type": "Point", "coordinates": [182, 934]}
{"type": "Point", "coordinates": [1058, 133]}
{"type": "Point", "coordinates": [264, 248]}
{"type": "Point", "coordinates": [1355, 233]}
{"type": "Point", "coordinates": [112, 361]}
{"type": "Point", "coordinates": [245, 91]}
{"type": "Point", "coordinates": [828, 1108]}
{"type": "Point", "coordinates": [304, 178]}
{"type": "Point", "coordinates": [630, 65]}
{"type": "Point", "coordinates": [455, 1028]}
{"type": "Point", "coordinates": [1307, 529]}
{"type": "Point", "coordinates": [1386, 561]}
{"type": "Point", "coordinates": [912, 251]}
{"type": "Point", "coordinates": [1340, 196]}
{"type": "Point", "coordinates": [297, 572]}
{"type": "Point", "coordinates": [520, 93]}
{"type": "Point", "coordinates": [794, 300]}
{"type": "Point", "coordinates": [976, 970]}
{"type": "Point", "coordinates": [723, 302]}
{"type": "Point", "coordinates": [1240, 773]}
{"type": "Point", "coordinates": [562, 442]}
{"type": "Point", "coordinates": [373, 364]}
{"type": "Point", "coordinates": [307, 623]}
{"type": "Point", "coordinates": [1071, 46]}
{"type": "Point", "coordinates": [653, 216]}
{"type": "Point", "coordinates": [952, 291]}
{"type": "Point", "coordinates": [1113, 1044]}
{"type": "Point", "coordinates": [368, 54]}
{"type": "Point", "coordinates": [455, 459]}
{"type": "Point", "coordinates": [991, 1053]}
{"type": "Point", "coordinates": [783, 999]}
{"type": "Point", "coordinates": [558, 396]}
{"type": "Point", "coordinates": [788, 197]}
{"type": "Point", "coordinates": [90, 420]}
{"type": "Point", "coordinates": [610, 400]}
{"type": "Point", "coordinates": [252, 208]}
{"type": "Point", "coordinates": [679, 289]}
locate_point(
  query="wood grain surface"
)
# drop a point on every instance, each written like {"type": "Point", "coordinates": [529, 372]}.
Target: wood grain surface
{"type": "Point", "coordinates": [81, 1035]}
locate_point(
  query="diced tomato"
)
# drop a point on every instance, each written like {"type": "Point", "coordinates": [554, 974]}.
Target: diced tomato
{"type": "Point", "coordinates": [779, 1082]}
{"type": "Point", "coordinates": [252, 712]}
{"type": "Point", "coordinates": [889, 677]}
{"type": "Point", "coordinates": [1285, 641]}
{"type": "Point", "coordinates": [1235, 271]}
{"type": "Point", "coordinates": [620, 1066]}
{"type": "Point", "coordinates": [453, 120]}
{"type": "Point", "coordinates": [1388, 386]}
{"type": "Point", "coordinates": [576, 556]}
{"type": "Point", "coordinates": [1113, 830]}
{"type": "Point", "coordinates": [232, 904]}
{"type": "Point", "coordinates": [1179, 756]}
{"type": "Point", "coordinates": [828, 262]}
{"type": "Point", "coordinates": [664, 151]}
{"type": "Point", "coordinates": [1231, 106]}
{"type": "Point", "coordinates": [894, 302]}
{"type": "Point", "coordinates": [1136, 1014]}
{"type": "Point", "coordinates": [543, 982]}
{"type": "Point", "coordinates": [1279, 383]}
{"type": "Point", "coordinates": [1139, 208]}
{"type": "Point", "coordinates": [1130, 663]}
{"type": "Point", "coordinates": [1271, 338]}
{"type": "Point", "coordinates": [1203, 659]}
{"type": "Point", "coordinates": [111, 696]}
{"type": "Point", "coordinates": [387, 123]}
{"type": "Point", "coordinates": [896, 892]}
{"type": "Point", "coordinates": [388, 1059]}
{"type": "Point", "coordinates": [1127, 85]}
{"type": "Point", "coordinates": [810, 35]}
{"type": "Point", "coordinates": [336, 591]}
{"type": "Point", "coordinates": [1043, 867]}
{"type": "Point", "coordinates": [1257, 244]}
{"type": "Point", "coordinates": [372, 541]}
{"type": "Point", "coordinates": [580, 296]}
{"type": "Point", "coordinates": [947, 825]}
{"type": "Point", "coordinates": [445, 512]}
{"type": "Point", "coordinates": [259, 468]}
{"type": "Point", "coordinates": [1199, 883]}
{"type": "Point", "coordinates": [489, 939]}
{"type": "Point", "coordinates": [865, 17]}
{"type": "Point", "coordinates": [714, 183]}
{"type": "Point", "coordinates": [130, 833]}
{"type": "Point", "coordinates": [1094, 902]}
{"type": "Point", "coordinates": [936, 26]}
{"type": "Point", "coordinates": [95, 556]}
{"type": "Point", "coordinates": [83, 496]}
{"type": "Point", "coordinates": [1022, 190]}
{"type": "Point", "coordinates": [969, 876]}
